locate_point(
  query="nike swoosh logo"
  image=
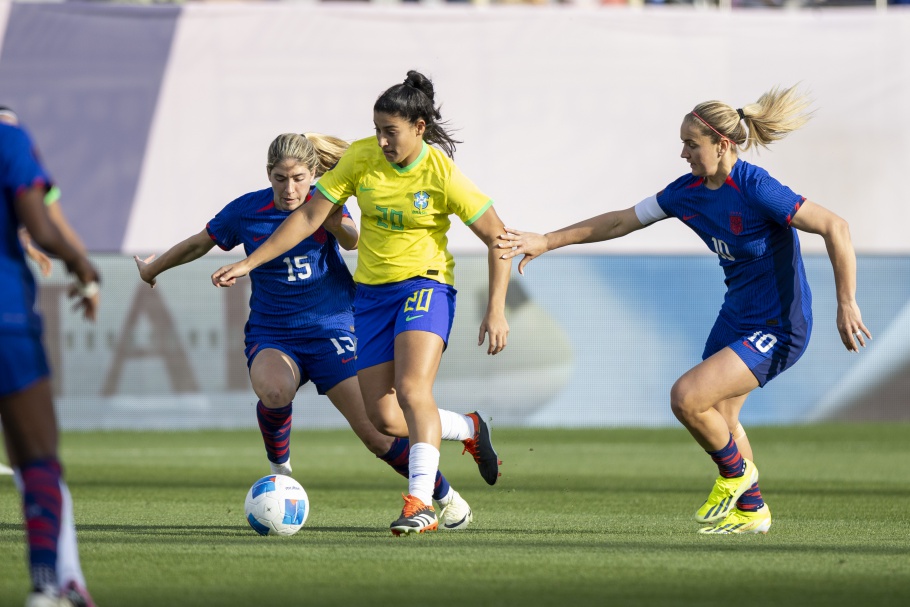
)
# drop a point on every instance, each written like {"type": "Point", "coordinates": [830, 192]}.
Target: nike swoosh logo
{"type": "Point", "coordinates": [456, 525]}
{"type": "Point", "coordinates": [688, 217]}
{"type": "Point", "coordinates": [363, 189]}
{"type": "Point", "coordinates": [258, 238]}
{"type": "Point", "coordinates": [418, 474]}
{"type": "Point", "coordinates": [410, 318]}
{"type": "Point", "coordinates": [347, 360]}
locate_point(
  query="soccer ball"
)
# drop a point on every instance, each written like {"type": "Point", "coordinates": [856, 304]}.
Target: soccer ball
{"type": "Point", "coordinates": [276, 505]}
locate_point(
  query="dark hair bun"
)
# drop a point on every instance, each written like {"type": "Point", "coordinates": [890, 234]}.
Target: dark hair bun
{"type": "Point", "coordinates": [420, 82]}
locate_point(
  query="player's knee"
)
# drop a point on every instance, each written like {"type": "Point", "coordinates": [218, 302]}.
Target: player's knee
{"type": "Point", "coordinates": [274, 397]}
{"type": "Point", "coordinates": [382, 422]}
{"type": "Point", "coordinates": [683, 399]}
{"type": "Point", "coordinates": [412, 397]}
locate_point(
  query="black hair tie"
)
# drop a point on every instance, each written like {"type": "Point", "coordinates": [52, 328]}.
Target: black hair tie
{"type": "Point", "coordinates": [741, 115]}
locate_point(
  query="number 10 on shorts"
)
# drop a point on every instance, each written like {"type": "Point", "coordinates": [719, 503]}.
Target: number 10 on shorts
{"type": "Point", "coordinates": [763, 341]}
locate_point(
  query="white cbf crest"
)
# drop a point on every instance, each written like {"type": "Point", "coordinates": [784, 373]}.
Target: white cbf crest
{"type": "Point", "coordinates": [421, 200]}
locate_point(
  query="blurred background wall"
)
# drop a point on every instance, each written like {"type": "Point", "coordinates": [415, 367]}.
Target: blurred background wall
{"type": "Point", "coordinates": [152, 118]}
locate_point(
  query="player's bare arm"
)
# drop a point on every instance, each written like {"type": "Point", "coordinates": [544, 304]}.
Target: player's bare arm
{"type": "Point", "coordinates": [835, 231]}
{"type": "Point", "coordinates": [299, 225]}
{"type": "Point", "coordinates": [342, 228]}
{"type": "Point", "coordinates": [183, 252]}
{"type": "Point", "coordinates": [488, 227]}
{"type": "Point", "coordinates": [33, 214]}
{"type": "Point", "coordinates": [596, 229]}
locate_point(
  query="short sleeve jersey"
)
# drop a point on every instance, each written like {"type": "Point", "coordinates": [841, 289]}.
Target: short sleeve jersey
{"type": "Point", "coordinates": [306, 290]}
{"type": "Point", "coordinates": [404, 211]}
{"type": "Point", "coordinates": [20, 169]}
{"type": "Point", "coordinates": [746, 222]}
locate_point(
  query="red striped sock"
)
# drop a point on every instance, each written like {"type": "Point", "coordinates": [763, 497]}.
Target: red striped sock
{"type": "Point", "coordinates": [729, 461]}
{"type": "Point", "coordinates": [275, 426]}
{"type": "Point", "coordinates": [42, 504]}
{"type": "Point", "coordinates": [751, 500]}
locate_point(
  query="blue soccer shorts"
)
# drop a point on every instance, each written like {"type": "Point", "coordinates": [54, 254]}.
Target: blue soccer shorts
{"type": "Point", "coordinates": [22, 362]}
{"type": "Point", "coordinates": [382, 312]}
{"type": "Point", "coordinates": [767, 351]}
{"type": "Point", "coordinates": [326, 361]}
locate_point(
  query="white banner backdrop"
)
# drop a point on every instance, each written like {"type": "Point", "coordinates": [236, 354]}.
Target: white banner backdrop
{"type": "Point", "coordinates": [564, 112]}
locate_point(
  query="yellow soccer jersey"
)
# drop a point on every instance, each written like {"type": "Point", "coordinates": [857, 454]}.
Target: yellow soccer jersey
{"type": "Point", "coordinates": [404, 211]}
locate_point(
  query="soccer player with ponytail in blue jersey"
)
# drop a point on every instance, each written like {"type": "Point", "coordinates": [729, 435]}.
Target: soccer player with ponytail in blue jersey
{"type": "Point", "coordinates": [301, 325]}
{"type": "Point", "coordinates": [404, 307]}
{"type": "Point", "coordinates": [750, 220]}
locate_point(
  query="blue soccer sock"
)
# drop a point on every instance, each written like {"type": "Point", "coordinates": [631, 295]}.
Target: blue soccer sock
{"type": "Point", "coordinates": [729, 461]}
{"type": "Point", "coordinates": [42, 504]}
{"type": "Point", "coordinates": [275, 425]}
{"type": "Point", "coordinates": [751, 500]}
{"type": "Point", "coordinates": [397, 457]}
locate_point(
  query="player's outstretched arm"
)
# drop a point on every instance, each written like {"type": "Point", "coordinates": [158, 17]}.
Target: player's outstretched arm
{"type": "Point", "coordinates": [33, 214]}
{"type": "Point", "coordinates": [488, 227]}
{"type": "Point", "coordinates": [814, 218]}
{"type": "Point", "coordinates": [296, 227]}
{"type": "Point", "coordinates": [183, 252]}
{"type": "Point", "coordinates": [596, 229]}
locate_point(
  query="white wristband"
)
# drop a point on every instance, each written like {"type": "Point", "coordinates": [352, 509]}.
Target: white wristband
{"type": "Point", "coordinates": [88, 290]}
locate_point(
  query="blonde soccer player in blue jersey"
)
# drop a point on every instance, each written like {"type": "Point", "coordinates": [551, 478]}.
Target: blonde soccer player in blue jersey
{"type": "Point", "coordinates": [295, 334]}
{"type": "Point", "coordinates": [750, 221]}
{"type": "Point", "coordinates": [405, 299]}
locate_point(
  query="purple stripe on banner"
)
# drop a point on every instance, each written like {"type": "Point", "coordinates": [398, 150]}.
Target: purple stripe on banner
{"type": "Point", "coordinates": [84, 79]}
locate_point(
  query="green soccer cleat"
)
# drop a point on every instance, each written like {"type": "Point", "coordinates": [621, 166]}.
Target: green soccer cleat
{"type": "Point", "coordinates": [740, 521]}
{"type": "Point", "coordinates": [725, 493]}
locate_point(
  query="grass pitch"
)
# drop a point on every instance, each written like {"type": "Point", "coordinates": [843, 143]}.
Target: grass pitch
{"type": "Point", "coordinates": [587, 517]}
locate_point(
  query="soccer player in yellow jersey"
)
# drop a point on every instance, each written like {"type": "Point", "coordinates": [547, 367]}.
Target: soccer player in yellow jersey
{"type": "Point", "coordinates": [405, 299]}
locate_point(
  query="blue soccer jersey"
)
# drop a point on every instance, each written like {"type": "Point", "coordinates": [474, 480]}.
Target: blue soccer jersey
{"type": "Point", "coordinates": [746, 222]}
{"type": "Point", "coordinates": [19, 170]}
{"type": "Point", "coordinates": [308, 289]}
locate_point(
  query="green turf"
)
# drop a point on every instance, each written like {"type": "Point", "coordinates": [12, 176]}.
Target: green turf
{"type": "Point", "coordinates": [592, 517]}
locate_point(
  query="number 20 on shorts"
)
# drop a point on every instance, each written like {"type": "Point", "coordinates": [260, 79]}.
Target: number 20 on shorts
{"type": "Point", "coordinates": [419, 301]}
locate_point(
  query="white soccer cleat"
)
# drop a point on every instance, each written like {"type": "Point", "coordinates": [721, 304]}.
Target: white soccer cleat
{"type": "Point", "coordinates": [41, 599]}
{"type": "Point", "coordinates": [456, 514]}
{"type": "Point", "coordinates": [284, 468]}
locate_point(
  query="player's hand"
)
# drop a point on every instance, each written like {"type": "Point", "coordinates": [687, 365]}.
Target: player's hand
{"type": "Point", "coordinates": [498, 328]}
{"type": "Point", "coordinates": [144, 274]}
{"type": "Point", "coordinates": [529, 244]}
{"type": "Point", "coordinates": [88, 298]}
{"type": "Point", "coordinates": [87, 288]}
{"type": "Point", "coordinates": [44, 262]}
{"type": "Point", "coordinates": [226, 276]}
{"type": "Point", "coordinates": [850, 326]}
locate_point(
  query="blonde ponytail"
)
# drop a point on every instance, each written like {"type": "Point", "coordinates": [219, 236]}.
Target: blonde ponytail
{"type": "Point", "coordinates": [775, 114]}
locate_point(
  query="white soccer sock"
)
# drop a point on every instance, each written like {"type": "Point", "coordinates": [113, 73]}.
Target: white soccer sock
{"type": "Point", "coordinates": [68, 567]}
{"type": "Point", "coordinates": [455, 426]}
{"type": "Point", "coordinates": [423, 463]}
{"type": "Point", "coordinates": [446, 499]}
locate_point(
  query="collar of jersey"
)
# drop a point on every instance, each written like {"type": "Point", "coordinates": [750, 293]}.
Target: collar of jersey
{"type": "Point", "coordinates": [423, 152]}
